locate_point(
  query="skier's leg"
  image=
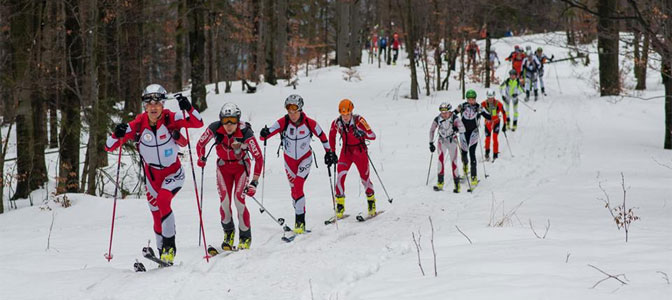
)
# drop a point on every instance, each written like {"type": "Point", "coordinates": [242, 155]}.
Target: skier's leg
{"type": "Point", "coordinates": [495, 139]}
{"type": "Point", "coordinates": [473, 143]}
{"type": "Point", "coordinates": [244, 228]}
{"type": "Point", "coordinates": [464, 147]}
{"type": "Point", "coordinates": [507, 108]}
{"type": "Point", "coordinates": [515, 113]}
{"type": "Point", "coordinates": [361, 160]}
{"type": "Point", "coordinates": [302, 169]}
{"type": "Point", "coordinates": [452, 151]}
{"type": "Point", "coordinates": [342, 168]}
{"type": "Point", "coordinates": [225, 190]}
{"type": "Point", "coordinates": [441, 164]}
{"type": "Point", "coordinates": [172, 179]}
{"type": "Point", "coordinates": [488, 129]}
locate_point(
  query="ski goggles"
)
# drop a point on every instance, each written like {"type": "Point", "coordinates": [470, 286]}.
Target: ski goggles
{"type": "Point", "coordinates": [153, 99]}
{"type": "Point", "coordinates": [229, 120]}
{"type": "Point", "coordinates": [444, 109]}
{"type": "Point", "coordinates": [292, 107]}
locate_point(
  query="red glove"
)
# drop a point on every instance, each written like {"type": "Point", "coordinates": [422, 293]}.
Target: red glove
{"type": "Point", "coordinates": [201, 162]}
{"type": "Point", "coordinates": [251, 188]}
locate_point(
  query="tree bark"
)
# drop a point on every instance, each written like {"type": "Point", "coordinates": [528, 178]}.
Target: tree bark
{"type": "Point", "coordinates": [607, 44]}
{"type": "Point", "coordinates": [410, 47]}
{"type": "Point", "coordinates": [179, 46]}
{"type": "Point", "coordinates": [641, 63]}
{"type": "Point", "coordinates": [486, 58]}
{"type": "Point", "coordinates": [197, 53]}
{"type": "Point", "coordinates": [70, 110]}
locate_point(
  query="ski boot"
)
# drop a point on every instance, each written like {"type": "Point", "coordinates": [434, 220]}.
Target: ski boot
{"type": "Point", "coordinates": [495, 156]}
{"type": "Point", "coordinates": [515, 125]}
{"type": "Point", "coordinates": [439, 184]}
{"type": "Point", "coordinates": [457, 185]}
{"type": "Point", "coordinates": [543, 91]}
{"type": "Point", "coordinates": [527, 96]}
{"type": "Point", "coordinates": [536, 95]}
{"type": "Point", "coordinates": [168, 255]}
{"type": "Point", "coordinates": [371, 201]}
{"type": "Point", "coordinates": [245, 239]}
{"type": "Point", "coordinates": [487, 154]}
{"type": "Point", "coordinates": [465, 168]}
{"type": "Point", "coordinates": [340, 206]}
{"type": "Point", "coordinates": [227, 244]}
{"type": "Point", "coordinates": [474, 181]}
{"type": "Point", "coordinates": [300, 224]}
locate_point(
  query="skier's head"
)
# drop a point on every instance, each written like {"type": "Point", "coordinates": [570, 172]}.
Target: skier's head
{"type": "Point", "coordinates": [345, 108]}
{"type": "Point", "coordinates": [491, 94]}
{"type": "Point", "coordinates": [513, 73]}
{"type": "Point", "coordinates": [446, 110]}
{"type": "Point", "coordinates": [229, 116]}
{"type": "Point", "coordinates": [539, 50]}
{"type": "Point", "coordinates": [471, 96]}
{"type": "Point", "coordinates": [153, 97]}
{"type": "Point", "coordinates": [516, 48]}
{"type": "Point", "coordinates": [294, 106]}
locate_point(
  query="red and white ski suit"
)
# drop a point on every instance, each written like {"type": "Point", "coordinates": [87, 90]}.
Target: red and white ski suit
{"type": "Point", "coordinates": [353, 150]}
{"type": "Point", "coordinates": [297, 152]}
{"type": "Point", "coordinates": [164, 175]}
{"type": "Point", "coordinates": [494, 109]}
{"type": "Point", "coordinates": [233, 170]}
{"type": "Point", "coordinates": [447, 141]}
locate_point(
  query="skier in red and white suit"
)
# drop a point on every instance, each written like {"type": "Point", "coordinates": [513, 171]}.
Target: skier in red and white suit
{"type": "Point", "coordinates": [296, 130]}
{"type": "Point", "coordinates": [354, 131]}
{"type": "Point", "coordinates": [157, 136]}
{"type": "Point", "coordinates": [233, 141]}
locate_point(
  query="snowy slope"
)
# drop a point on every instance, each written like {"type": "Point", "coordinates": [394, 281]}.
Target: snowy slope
{"type": "Point", "coordinates": [574, 141]}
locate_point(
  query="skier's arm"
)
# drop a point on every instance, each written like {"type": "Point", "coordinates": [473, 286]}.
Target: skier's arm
{"type": "Point", "coordinates": [194, 119]}
{"type": "Point", "coordinates": [332, 135]}
{"type": "Point", "coordinates": [500, 107]}
{"type": "Point", "coordinates": [253, 147]}
{"type": "Point", "coordinates": [203, 141]}
{"type": "Point", "coordinates": [317, 131]}
{"type": "Point", "coordinates": [113, 142]}
{"type": "Point", "coordinates": [485, 113]}
{"type": "Point", "coordinates": [432, 129]}
{"type": "Point", "coordinates": [460, 126]}
{"type": "Point", "coordinates": [274, 129]}
{"type": "Point", "coordinates": [364, 126]}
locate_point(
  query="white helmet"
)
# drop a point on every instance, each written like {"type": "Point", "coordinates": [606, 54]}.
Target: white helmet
{"type": "Point", "coordinates": [154, 92]}
{"type": "Point", "coordinates": [490, 93]}
{"type": "Point", "coordinates": [445, 106]}
{"type": "Point", "coordinates": [229, 110]}
{"type": "Point", "coordinates": [294, 99]}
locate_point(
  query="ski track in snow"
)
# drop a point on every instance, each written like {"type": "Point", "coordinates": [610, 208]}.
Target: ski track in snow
{"type": "Point", "coordinates": [573, 141]}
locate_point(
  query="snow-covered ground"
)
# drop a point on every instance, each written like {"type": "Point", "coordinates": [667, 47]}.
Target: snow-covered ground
{"type": "Point", "coordinates": [574, 141]}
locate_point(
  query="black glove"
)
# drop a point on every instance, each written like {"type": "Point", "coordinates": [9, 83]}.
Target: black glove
{"type": "Point", "coordinates": [504, 127]}
{"type": "Point", "coordinates": [359, 133]}
{"type": "Point", "coordinates": [264, 132]}
{"type": "Point", "coordinates": [552, 57]}
{"type": "Point", "coordinates": [176, 135]}
{"type": "Point", "coordinates": [184, 102]}
{"type": "Point", "coordinates": [120, 130]}
{"type": "Point", "coordinates": [432, 148]}
{"type": "Point", "coordinates": [330, 158]}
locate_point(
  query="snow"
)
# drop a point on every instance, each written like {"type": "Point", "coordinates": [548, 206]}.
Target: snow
{"type": "Point", "coordinates": [574, 141]}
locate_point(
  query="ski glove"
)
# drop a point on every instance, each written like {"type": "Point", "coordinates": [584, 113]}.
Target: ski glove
{"type": "Point", "coordinates": [251, 188]}
{"type": "Point", "coordinates": [264, 132]}
{"type": "Point", "coordinates": [359, 133]}
{"type": "Point", "coordinates": [184, 102]}
{"type": "Point", "coordinates": [504, 127]}
{"type": "Point", "coordinates": [330, 158]}
{"type": "Point", "coordinates": [176, 135]}
{"type": "Point", "coordinates": [201, 162]}
{"type": "Point", "coordinates": [431, 147]}
{"type": "Point", "coordinates": [120, 130]}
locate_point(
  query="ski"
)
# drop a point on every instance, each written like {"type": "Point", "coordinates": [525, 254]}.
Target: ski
{"type": "Point", "coordinates": [362, 218]}
{"type": "Point", "coordinates": [214, 252]}
{"type": "Point", "coordinates": [290, 238]}
{"type": "Point", "coordinates": [139, 267]}
{"type": "Point", "coordinates": [437, 189]}
{"type": "Point", "coordinates": [148, 253]}
{"type": "Point", "coordinates": [332, 220]}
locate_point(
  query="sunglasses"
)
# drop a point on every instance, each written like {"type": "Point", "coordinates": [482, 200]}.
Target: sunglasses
{"type": "Point", "coordinates": [292, 107]}
{"type": "Point", "coordinates": [229, 120]}
{"type": "Point", "coordinates": [444, 110]}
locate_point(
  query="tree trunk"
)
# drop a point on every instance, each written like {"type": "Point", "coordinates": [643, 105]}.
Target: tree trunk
{"type": "Point", "coordinates": [667, 81]}
{"type": "Point", "coordinates": [132, 69]}
{"type": "Point", "coordinates": [607, 45]}
{"type": "Point", "coordinates": [53, 123]}
{"type": "Point", "coordinates": [179, 46]}
{"type": "Point", "coordinates": [197, 53]}
{"type": "Point", "coordinates": [410, 48]}
{"type": "Point", "coordinates": [38, 173]}
{"type": "Point", "coordinates": [70, 112]}
{"type": "Point", "coordinates": [642, 63]}
{"type": "Point", "coordinates": [486, 58]}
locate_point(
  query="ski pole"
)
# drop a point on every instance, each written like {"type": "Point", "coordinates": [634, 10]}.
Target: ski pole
{"type": "Point", "coordinates": [507, 143]}
{"type": "Point", "coordinates": [280, 221]}
{"type": "Point", "coordinates": [193, 176]}
{"type": "Point", "coordinates": [528, 106]}
{"type": "Point", "coordinates": [381, 182]}
{"type": "Point", "coordinates": [108, 255]}
{"type": "Point", "coordinates": [263, 178]}
{"type": "Point", "coordinates": [202, 175]}
{"type": "Point", "coordinates": [333, 198]}
{"type": "Point", "coordinates": [485, 173]}
{"type": "Point", "coordinates": [557, 78]}
{"type": "Point", "coordinates": [430, 167]}
{"type": "Point", "coordinates": [464, 153]}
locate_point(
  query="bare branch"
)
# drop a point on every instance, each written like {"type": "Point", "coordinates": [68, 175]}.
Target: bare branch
{"type": "Point", "coordinates": [436, 274]}
{"type": "Point", "coordinates": [468, 239]}
{"type": "Point", "coordinates": [567, 258]}
{"type": "Point", "coordinates": [417, 248]}
{"type": "Point", "coordinates": [548, 225]}
{"type": "Point", "coordinates": [608, 276]}
{"type": "Point", "coordinates": [664, 275]}
{"type": "Point", "coordinates": [661, 164]}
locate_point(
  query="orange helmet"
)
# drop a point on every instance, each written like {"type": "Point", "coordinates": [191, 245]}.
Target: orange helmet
{"type": "Point", "coordinates": [345, 107]}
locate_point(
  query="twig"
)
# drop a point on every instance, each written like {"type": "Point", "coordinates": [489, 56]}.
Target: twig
{"type": "Point", "coordinates": [53, 216]}
{"type": "Point", "coordinates": [311, 289]}
{"type": "Point", "coordinates": [548, 225]}
{"type": "Point", "coordinates": [417, 248]}
{"type": "Point", "coordinates": [468, 239]}
{"type": "Point", "coordinates": [608, 276]}
{"type": "Point", "coordinates": [436, 274]}
{"type": "Point", "coordinates": [664, 276]}
{"type": "Point", "coordinates": [662, 164]}
{"type": "Point", "coordinates": [567, 258]}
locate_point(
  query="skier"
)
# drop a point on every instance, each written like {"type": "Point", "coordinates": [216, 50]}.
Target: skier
{"type": "Point", "coordinates": [510, 89]}
{"type": "Point", "coordinates": [354, 132]}
{"type": "Point", "coordinates": [395, 47]}
{"type": "Point", "coordinates": [156, 133]}
{"type": "Point", "coordinates": [494, 108]}
{"type": "Point", "coordinates": [516, 57]}
{"type": "Point", "coordinates": [530, 69]}
{"type": "Point", "coordinates": [296, 130]}
{"type": "Point", "coordinates": [471, 111]}
{"type": "Point", "coordinates": [374, 44]}
{"type": "Point", "coordinates": [492, 57]}
{"type": "Point", "coordinates": [234, 140]}
{"type": "Point", "coordinates": [542, 58]}
{"type": "Point", "coordinates": [472, 50]}
{"type": "Point", "coordinates": [449, 126]}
